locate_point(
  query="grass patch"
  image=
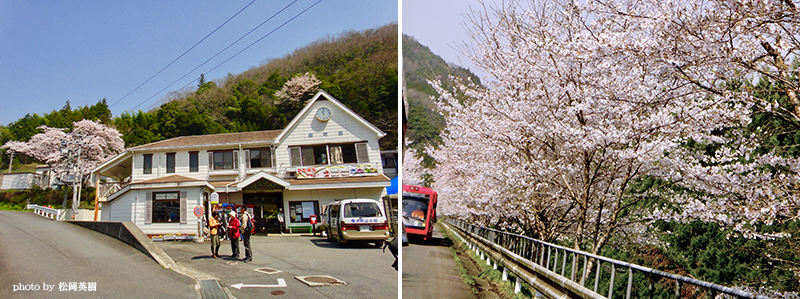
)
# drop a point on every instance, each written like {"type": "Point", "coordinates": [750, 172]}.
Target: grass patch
{"type": "Point", "coordinates": [456, 250]}
{"type": "Point", "coordinates": [469, 279]}
{"type": "Point", "coordinates": [8, 206]}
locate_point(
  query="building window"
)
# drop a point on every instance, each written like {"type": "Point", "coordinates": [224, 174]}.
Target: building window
{"type": "Point", "coordinates": [301, 211]}
{"type": "Point", "coordinates": [260, 158]}
{"type": "Point", "coordinates": [170, 162]}
{"type": "Point", "coordinates": [329, 154]}
{"type": "Point", "coordinates": [166, 207]}
{"type": "Point", "coordinates": [224, 160]}
{"type": "Point", "coordinates": [389, 162]}
{"type": "Point", "coordinates": [343, 153]}
{"type": "Point", "coordinates": [194, 161]}
{"type": "Point", "coordinates": [148, 164]}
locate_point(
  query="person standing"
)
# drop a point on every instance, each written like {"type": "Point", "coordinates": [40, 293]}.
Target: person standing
{"type": "Point", "coordinates": [214, 225]}
{"type": "Point", "coordinates": [247, 223]}
{"type": "Point", "coordinates": [233, 233]}
{"type": "Point", "coordinates": [280, 220]}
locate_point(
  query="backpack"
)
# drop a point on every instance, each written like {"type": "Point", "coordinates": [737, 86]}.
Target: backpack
{"type": "Point", "coordinates": [248, 227]}
{"type": "Point", "coordinates": [251, 227]}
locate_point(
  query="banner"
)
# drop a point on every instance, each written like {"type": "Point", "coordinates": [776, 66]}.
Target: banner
{"type": "Point", "coordinates": [336, 171]}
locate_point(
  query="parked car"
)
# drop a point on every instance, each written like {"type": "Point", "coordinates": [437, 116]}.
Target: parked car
{"type": "Point", "coordinates": [358, 219]}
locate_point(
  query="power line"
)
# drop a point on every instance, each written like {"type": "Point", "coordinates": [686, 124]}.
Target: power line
{"type": "Point", "coordinates": [184, 53]}
{"type": "Point", "coordinates": [234, 55]}
{"type": "Point", "coordinates": [220, 52]}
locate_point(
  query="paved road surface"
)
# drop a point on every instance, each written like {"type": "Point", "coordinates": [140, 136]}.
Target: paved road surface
{"type": "Point", "coordinates": [37, 251]}
{"type": "Point", "coordinates": [366, 269]}
{"type": "Point", "coordinates": [430, 272]}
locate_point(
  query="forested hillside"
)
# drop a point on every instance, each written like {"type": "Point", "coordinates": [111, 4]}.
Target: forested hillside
{"type": "Point", "coordinates": [419, 66]}
{"type": "Point", "coordinates": [357, 68]}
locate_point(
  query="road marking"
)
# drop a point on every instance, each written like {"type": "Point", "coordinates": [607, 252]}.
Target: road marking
{"type": "Point", "coordinates": [281, 284]}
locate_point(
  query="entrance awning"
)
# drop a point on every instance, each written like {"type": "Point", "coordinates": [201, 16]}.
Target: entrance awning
{"type": "Point", "coordinates": [260, 180]}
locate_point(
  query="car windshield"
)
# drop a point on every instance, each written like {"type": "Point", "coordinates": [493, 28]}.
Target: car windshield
{"type": "Point", "coordinates": [415, 208]}
{"type": "Point", "coordinates": [361, 209]}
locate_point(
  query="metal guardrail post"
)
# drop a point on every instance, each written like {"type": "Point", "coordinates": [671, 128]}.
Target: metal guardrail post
{"type": "Point", "coordinates": [541, 260]}
{"type": "Point", "coordinates": [630, 283]}
{"type": "Point", "coordinates": [597, 276]}
{"type": "Point", "coordinates": [611, 282]}
{"type": "Point", "coordinates": [584, 275]}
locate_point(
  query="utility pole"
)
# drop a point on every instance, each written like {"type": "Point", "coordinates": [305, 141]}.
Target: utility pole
{"type": "Point", "coordinates": [76, 184]}
{"type": "Point", "coordinates": [76, 162]}
{"type": "Point", "coordinates": [10, 159]}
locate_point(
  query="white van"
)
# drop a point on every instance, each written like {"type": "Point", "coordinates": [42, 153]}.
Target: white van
{"type": "Point", "coordinates": [358, 219]}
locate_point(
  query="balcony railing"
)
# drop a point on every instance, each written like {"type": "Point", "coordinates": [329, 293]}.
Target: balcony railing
{"type": "Point", "coordinates": [107, 189]}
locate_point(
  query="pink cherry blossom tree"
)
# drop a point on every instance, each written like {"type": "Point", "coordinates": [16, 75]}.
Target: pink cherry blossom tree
{"type": "Point", "coordinates": [592, 98]}
{"type": "Point", "coordinates": [413, 171]}
{"type": "Point", "coordinates": [55, 147]}
{"type": "Point", "coordinates": [298, 88]}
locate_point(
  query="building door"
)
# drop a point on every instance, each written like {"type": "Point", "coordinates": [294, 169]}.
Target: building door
{"type": "Point", "coordinates": [265, 208]}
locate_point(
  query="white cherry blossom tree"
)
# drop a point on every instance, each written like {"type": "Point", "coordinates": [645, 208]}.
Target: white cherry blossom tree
{"type": "Point", "coordinates": [413, 171]}
{"type": "Point", "coordinates": [57, 148]}
{"type": "Point", "coordinates": [298, 88]}
{"type": "Point", "coordinates": [593, 98]}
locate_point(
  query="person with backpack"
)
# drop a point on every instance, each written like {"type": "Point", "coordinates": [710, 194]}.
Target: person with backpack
{"type": "Point", "coordinates": [234, 234]}
{"type": "Point", "coordinates": [248, 228]}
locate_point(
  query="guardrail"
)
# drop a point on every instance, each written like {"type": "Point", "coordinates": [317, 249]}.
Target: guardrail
{"type": "Point", "coordinates": [536, 261]}
{"type": "Point", "coordinates": [45, 211]}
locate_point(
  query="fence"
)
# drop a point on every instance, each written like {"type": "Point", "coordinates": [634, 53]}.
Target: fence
{"type": "Point", "coordinates": [45, 212]}
{"type": "Point", "coordinates": [61, 214]}
{"type": "Point", "coordinates": [527, 257]}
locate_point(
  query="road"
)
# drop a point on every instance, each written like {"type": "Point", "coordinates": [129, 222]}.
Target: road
{"type": "Point", "coordinates": [35, 251]}
{"type": "Point", "coordinates": [366, 269]}
{"type": "Point", "coordinates": [430, 272]}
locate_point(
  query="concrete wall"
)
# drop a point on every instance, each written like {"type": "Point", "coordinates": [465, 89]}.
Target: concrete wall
{"type": "Point", "coordinates": [130, 234]}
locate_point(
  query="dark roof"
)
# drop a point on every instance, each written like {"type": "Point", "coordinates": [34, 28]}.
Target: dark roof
{"type": "Point", "coordinates": [213, 139]}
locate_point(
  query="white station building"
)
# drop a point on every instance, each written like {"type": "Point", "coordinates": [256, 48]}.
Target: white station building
{"type": "Point", "coordinates": [326, 153]}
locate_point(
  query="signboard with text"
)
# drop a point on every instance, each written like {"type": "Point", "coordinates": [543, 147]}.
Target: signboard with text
{"type": "Point", "coordinates": [336, 171]}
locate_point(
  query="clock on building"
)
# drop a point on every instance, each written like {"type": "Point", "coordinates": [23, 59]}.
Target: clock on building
{"type": "Point", "coordinates": [323, 114]}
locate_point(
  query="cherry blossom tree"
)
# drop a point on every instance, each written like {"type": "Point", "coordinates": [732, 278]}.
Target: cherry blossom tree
{"type": "Point", "coordinates": [607, 115]}
{"type": "Point", "coordinates": [298, 88]}
{"type": "Point", "coordinates": [413, 171]}
{"type": "Point", "coordinates": [58, 148]}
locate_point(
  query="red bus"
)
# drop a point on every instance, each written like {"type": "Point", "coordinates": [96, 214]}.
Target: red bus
{"type": "Point", "coordinates": [419, 211]}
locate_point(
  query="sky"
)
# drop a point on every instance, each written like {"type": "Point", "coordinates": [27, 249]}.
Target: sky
{"type": "Point", "coordinates": [439, 25]}
{"type": "Point", "coordinates": [84, 51]}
